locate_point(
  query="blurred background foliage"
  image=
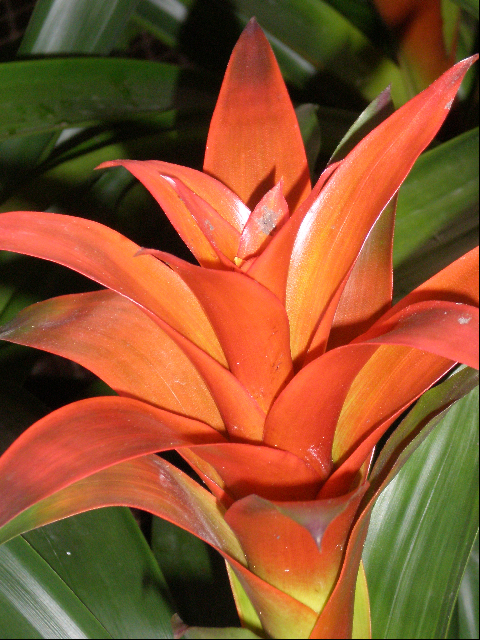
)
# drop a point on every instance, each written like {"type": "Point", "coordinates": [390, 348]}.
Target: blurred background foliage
{"type": "Point", "coordinates": [85, 81]}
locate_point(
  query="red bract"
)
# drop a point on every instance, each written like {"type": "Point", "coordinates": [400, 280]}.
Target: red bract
{"type": "Point", "coordinates": [273, 368]}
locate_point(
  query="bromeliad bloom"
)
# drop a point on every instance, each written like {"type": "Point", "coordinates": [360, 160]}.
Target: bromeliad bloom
{"type": "Point", "coordinates": [273, 368]}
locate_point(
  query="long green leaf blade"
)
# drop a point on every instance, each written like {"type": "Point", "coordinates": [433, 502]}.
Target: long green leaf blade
{"type": "Point", "coordinates": [104, 558]}
{"type": "Point", "coordinates": [469, 5]}
{"type": "Point", "coordinates": [439, 198]}
{"type": "Point", "coordinates": [196, 575]}
{"type": "Point", "coordinates": [423, 526]}
{"type": "Point", "coordinates": [52, 94]}
{"type": "Point", "coordinates": [66, 26]}
{"type": "Point", "coordinates": [35, 602]}
{"type": "Point", "coordinates": [307, 36]}
{"type": "Point", "coordinates": [468, 598]}
{"type": "Point", "coordinates": [76, 26]}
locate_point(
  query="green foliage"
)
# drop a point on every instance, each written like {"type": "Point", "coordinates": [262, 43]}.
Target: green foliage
{"type": "Point", "coordinates": [95, 575]}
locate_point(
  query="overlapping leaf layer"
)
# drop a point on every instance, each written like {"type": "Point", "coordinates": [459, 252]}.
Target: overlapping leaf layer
{"type": "Point", "coordinates": [273, 368]}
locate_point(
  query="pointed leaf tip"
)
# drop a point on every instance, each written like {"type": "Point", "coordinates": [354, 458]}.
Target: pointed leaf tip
{"type": "Point", "coordinates": [254, 137]}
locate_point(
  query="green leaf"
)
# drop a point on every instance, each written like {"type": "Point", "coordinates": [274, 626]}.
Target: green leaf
{"type": "Point", "coordinates": [163, 18]}
{"type": "Point", "coordinates": [104, 559]}
{"type": "Point", "coordinates": [361, 613]}
{"type": "Point", "coordinates": [67, 26]}
{"type": "Point", "coordinates": [76, 26]}
{"type": "Point", "coordinates": [195, 574]}
{"type": "Point", "coordinates": [182, 630]}
{"type": "Point", "coordinates": [420, 421]}
{"type": "Point", "coordinates": [422, 529]}
{"type": "Point", "coordinates": [307, 36]}
{"type": "Point", "coordinates": [437, 208]}
{"type": "Point", "coordinates": [365, 17]}
{"type": "Point", "coordinates": [311, 134]}
{"type": "Point", "coordinates": [469, 5]}
{"type": "Point", "coordinates": [376, 112]}
{"type": "Point", "coordinates": [52, 94]}
{"type": "Point", "coordinates": [468, 598]}
{"type": "Point", "coordinates": [35, 602]}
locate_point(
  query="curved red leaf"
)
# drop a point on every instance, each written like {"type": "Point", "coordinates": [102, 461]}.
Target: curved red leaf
{"type": "Point", "coordinates": [215, 193]}
{"type": "Point", "coordinates": [272, 474]}
{"type": "Point", "coordinates": [447, 329]}
{"type": "Point", "coordinates": [250, 323]}
{"type": "Point", "coordinates": [367, 294]}
{"type": "Point", "coordinates": [265, 220]}
{"type": "Point", "coordinates": [334, 229]}
{"type": "Point", "coordinates": [109, 258]}
{"type": "Point", "coordinates": [147, 483]}
{"type": "Point", "coordinates": [280, 549]}
{"type": "Point", "coordinates": [304, 417]}
{"type": "Point", "coordinates": [112, 337]}
{"type": "Point", "coordinates": [82, 438]}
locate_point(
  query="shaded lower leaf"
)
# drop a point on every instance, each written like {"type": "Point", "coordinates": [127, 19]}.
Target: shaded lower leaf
{"type": "Point", "coordinates": [56, 93]}
{"type": "Point", "coordinates": [184, 631]}
{"type": "Point", "coordinates": [438, 201]}
{"type": "Point", "coordinates": [35, 602]}
{"type": "Point", "coordinates": [422, 529]}
{"type": "Point", "coordinates": [469, 5]}
{"type": "Point", "coordinates": [103, 557]}
{"type": "Point", "coordinates": [195, 574]}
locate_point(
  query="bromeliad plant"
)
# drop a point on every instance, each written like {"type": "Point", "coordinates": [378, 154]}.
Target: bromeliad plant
{"type": "Point", "coordinates": [273, 368]}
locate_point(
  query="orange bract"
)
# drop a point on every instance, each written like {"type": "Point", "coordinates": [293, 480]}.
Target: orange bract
{"type": "Point", "coordinates": [273, 368]}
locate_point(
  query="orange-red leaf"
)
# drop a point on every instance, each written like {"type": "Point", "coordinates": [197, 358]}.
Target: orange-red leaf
{"type": "Point", "coordinates": [265, 220]}
{"type": "Point", "coordinates": [393, 378]}
{"type": "Point", "coordinates": [270, 268]}
{"type": "Point", "coordinates": [106, 256]}
{"type": "Point", "coordinates": [295, 546]}
{"type": "Point", "coordinates": [456, 283]}
{"type": "Point", "coordinates": [447, 329]}
{"type": "Point", "coordinates": [368, 291]}
{"type": "Point", "coordinates": [242, 416]}
{"type": "Point", "coordinates": [334, 230]}
{"type": "Point", "coordinates": [281, 615]}
{"type": "Point", "coordinates": [219, 197]}
{"type": "Point", "coordinates": [250, 323]}
{"type": "Point", "coordinates": [254, 138]}
{"type": "Point", "coordinates": [335, 621]}
{"type": "Point", "coordinates": [82, 438]}
{"type": "Point", "coordinates": [269, 473]}
{"type": "Point", "coordinates": [304, 417]}
{"type": "Point", "coordinates": [216, 216]}
{"type": "Point", "coordinates": [147, 483]}
{"type": "Point", "coordinates": [116, 340]}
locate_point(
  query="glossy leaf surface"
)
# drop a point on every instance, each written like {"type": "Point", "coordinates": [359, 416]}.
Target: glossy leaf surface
{"type": "Point", "coordinates": [103, 558]}
{"type": "Point", "coordinates": [344, 199]}
{"type": "Point", "coordinates": [36, 603]}
{"type": "Point", "coordinates": [135, 483]}
{"type": "Point", "coordinates": [250, 323]}
{"type": "Point", "coordinates": [251, 149]}
{"type": "Point", "coordinates": [117, 341]}
{"type": "Point", "coordinates": [468, 597]}
{"type": "Point", "coordinates": [76, 26]}
{"type": "Point", "coordinates": [116, 429]}
{"type": "Point", "coordinates": [440, 192]}
{"type": "Point", "coordinates": [108, 257]}
{"type": "Point", "coordinates": [434, 539]}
